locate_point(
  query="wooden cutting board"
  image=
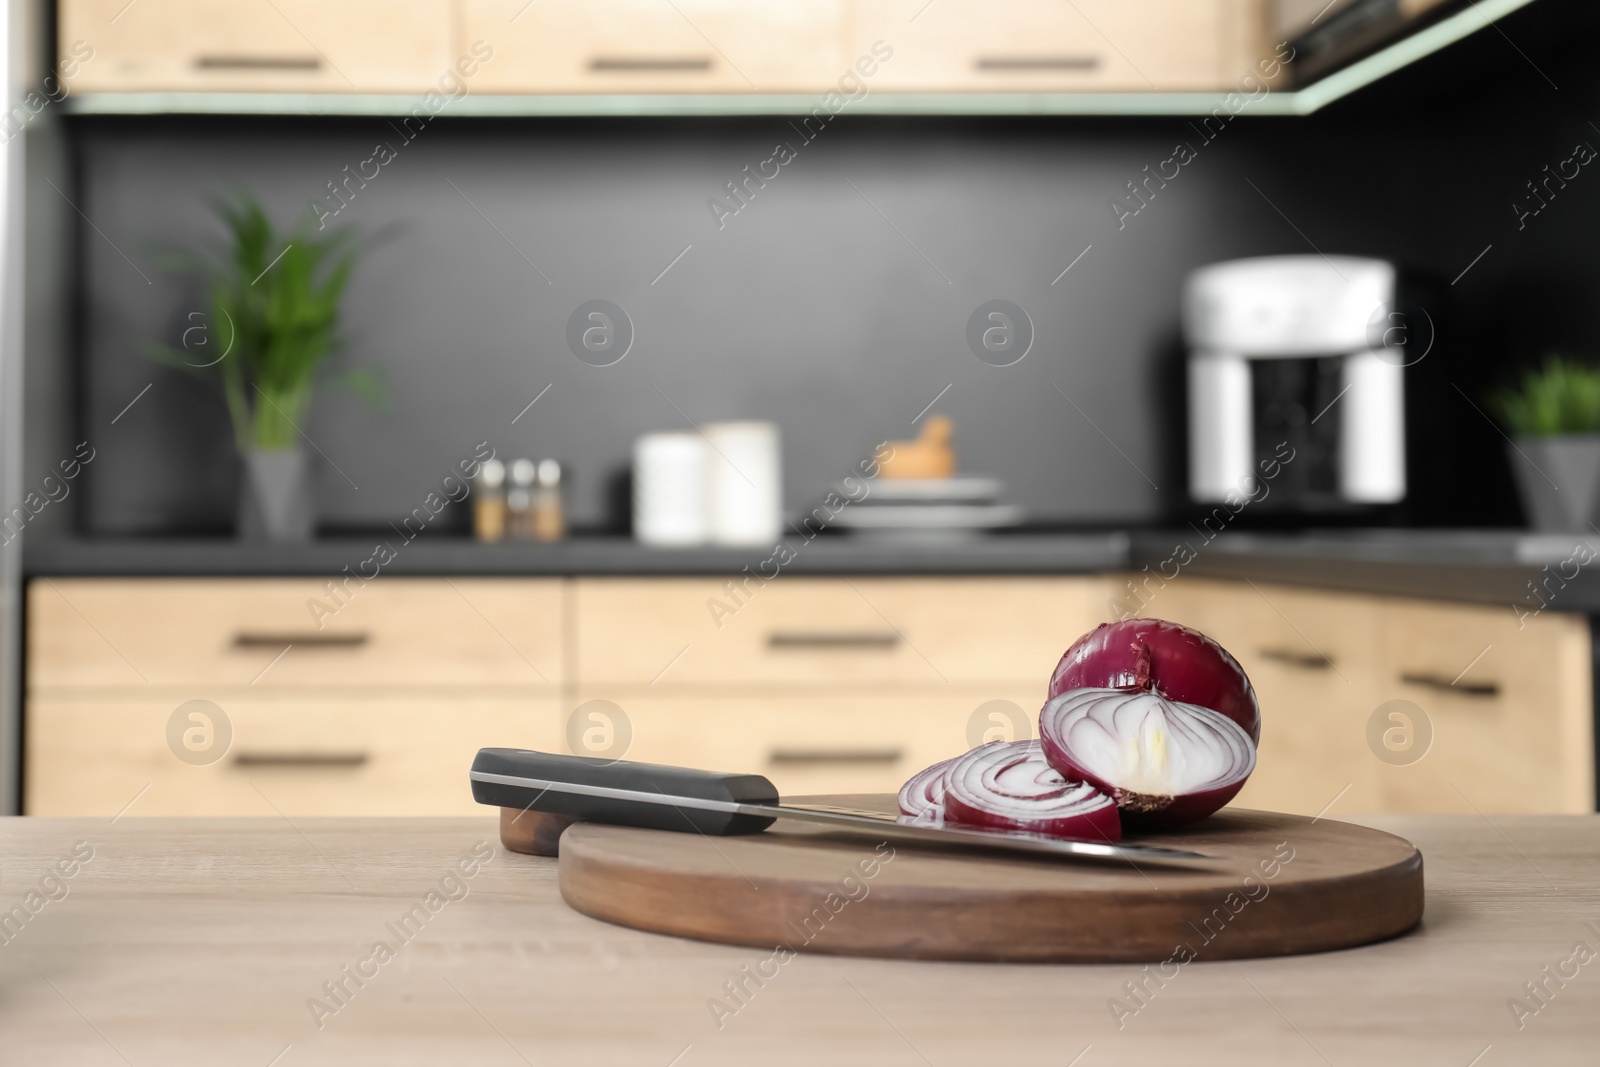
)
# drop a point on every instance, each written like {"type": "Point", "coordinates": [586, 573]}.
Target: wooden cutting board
{"type": "Point", "coordinates": [1287, 884]}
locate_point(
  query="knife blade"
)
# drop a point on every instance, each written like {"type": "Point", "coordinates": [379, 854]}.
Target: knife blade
{"type": "Point", "coordinates": [684, 800]}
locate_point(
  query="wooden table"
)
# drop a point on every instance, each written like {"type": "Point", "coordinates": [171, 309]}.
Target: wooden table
{"type": "Point", "coordinates": [202, 941]}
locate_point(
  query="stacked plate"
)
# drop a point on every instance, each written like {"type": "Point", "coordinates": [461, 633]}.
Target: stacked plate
{"type": "Point", "coordinates": [930, 509]}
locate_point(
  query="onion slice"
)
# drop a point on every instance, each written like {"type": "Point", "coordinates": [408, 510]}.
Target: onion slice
{"type": "Point", "coordinates": [1009, 785]}
{"type": "Point", "coordinates": [922, 797]}
{"type": "Point", "coordinates": [1165, 762]}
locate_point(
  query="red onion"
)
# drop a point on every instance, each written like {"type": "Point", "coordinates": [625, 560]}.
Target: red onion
{"type": "Point", "coordinates": [1008, 785]}
{"type": "Point", "coordinates": [922, 798]}
{"type": "Point", "coordinates": [1180, 664]}
{"type": "Point", "coordinates": [1165, 762]}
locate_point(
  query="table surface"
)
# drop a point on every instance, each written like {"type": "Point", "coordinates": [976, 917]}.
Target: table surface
{"type": "Point", "coordinates": [210, 942]}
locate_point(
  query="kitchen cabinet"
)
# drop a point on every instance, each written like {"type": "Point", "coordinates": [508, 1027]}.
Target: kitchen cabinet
{"type": "Point", "coordinates": [295, 758]}
{"type": "Point", "coordinates": [828, 632]}
{"type": "Point", "coordinates": [375, 708]}
{"type": "Point", "coordinates": [822, 684]}
{"type": "Point", "coordinates": [1040, 46]}
{"type": "Point", "coordinates": [1496, 718]}
{"type": "Point", "coordinates": [294, 635]}
{"type": "Point", "coordinates": [268, 46]}
{"type": "Point", "coordinates": [1509, 708]}
{"type": "Point", "coordinates": [650, 46]}
{"type": "Point", "coordinates": [844, 742]}
{"type": "Point", "coordinates": [1312, 657]}
{"type": "Point", "coordinates": [644, 47]}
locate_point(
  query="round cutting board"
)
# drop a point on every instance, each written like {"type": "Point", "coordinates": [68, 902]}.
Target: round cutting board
{"type": "Point", "coordinates": [1284, 884]}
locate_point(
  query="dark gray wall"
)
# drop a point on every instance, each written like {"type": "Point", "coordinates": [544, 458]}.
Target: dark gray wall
{"type": "Point", "coordinates": [813, 309]}
{"type": "Point", "coordinates": [809, 307]}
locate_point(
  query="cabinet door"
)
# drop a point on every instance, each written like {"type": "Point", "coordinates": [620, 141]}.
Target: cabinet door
{"type": "Point", "coordinates": [846, 743]}
{"type": "Point", "coordinates": [1312, 659]}
{"type": "Point", "coordinates": [1509, 703]}
{"type": "Point", "coordinates": [93, 757]}
{"type": "Point", "coordinates": [293, 635]}
{"type": "Point", "coordinates": [657, 46]}
{"type": "Point", "coordinates": [1017, 46]}
{"type": "Point", "coordinates": [830, 632]}
{"type": "Point", "coordinates": [351, 46]}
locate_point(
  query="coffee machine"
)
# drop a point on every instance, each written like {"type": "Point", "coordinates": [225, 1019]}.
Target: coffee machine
{"type": "Point", "coordinates": [1296, 377]}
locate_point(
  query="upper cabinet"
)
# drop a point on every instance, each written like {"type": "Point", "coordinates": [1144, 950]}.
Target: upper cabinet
{"type": "Point", "coordinates": [1045, 46]}
{"type": "Point", "coordinates": [631, 47]}
{"type": "Point", "coordinates": [656, 46]}
{"type": "Point", "coordinates": [265, 46]}
{"type": "Point", "coordinates": [787, 57]}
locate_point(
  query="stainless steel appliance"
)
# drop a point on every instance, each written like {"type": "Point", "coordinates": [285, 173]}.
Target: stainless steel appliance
{"type": "Point", "coordinates": [1296, 376]}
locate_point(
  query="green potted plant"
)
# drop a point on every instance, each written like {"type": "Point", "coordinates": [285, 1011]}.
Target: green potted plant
{"type": "Point", "coordinates": [1553, 416]}
{"type": "Point", "coordinates": [272, 324]}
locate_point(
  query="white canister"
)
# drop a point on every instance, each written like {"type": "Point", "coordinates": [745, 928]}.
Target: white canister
{"type": "Point", "coordinates": [744, 483]}
{"type": "Point", "coordinates": [669, 489]}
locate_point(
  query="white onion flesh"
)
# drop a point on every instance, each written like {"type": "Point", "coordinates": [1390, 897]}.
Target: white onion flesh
{"type": "Point", "coordinates": [922, 798]}
{"type": "Point", "coordinates": [1140, 742]}
{"type": "Point", "coordinates": [1013, 782]}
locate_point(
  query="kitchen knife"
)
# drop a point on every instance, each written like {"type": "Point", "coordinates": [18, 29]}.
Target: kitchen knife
{"type": "Point", "coordinates": [655, 797]}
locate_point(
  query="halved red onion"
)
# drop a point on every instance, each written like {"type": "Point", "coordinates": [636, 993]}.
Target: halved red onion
{"type": "Point", "coordinates": [1165, 762]}
{"type": "Point", "coordinates": [1176, 662]}
{"type": "Point", "coordinates": [922, 797]}
{"type": "Point", "coordinates": [1008, 785]}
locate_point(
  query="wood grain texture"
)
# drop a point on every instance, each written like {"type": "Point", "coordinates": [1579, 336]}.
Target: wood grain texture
{"type": "Point", "coordinates": [371, 46]}
{"type": "Point", "coordinates": [1509, 700]}
{"type": "Point", "coordinates": [113, 636]}
{"type": "Point", "coordinates": [1041, 46]}
{"type": "Point", "coordinates": [1286, 885]}
{"type": "Point", "coordinates": [199, 942]}
{"type": "Point", "coordinates": [639, 46]}
{"type": "Point", "coordinates": [945, 631]}
{"type": "Point", "coordinates": [295, 757]}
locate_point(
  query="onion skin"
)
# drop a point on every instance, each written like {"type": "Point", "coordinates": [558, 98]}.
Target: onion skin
{"type": "Point", "coordinates": [965, 806]}
{"type": "Point", "coordinates": [1180, 664]}
{"type": "Point", "coordinates": [1140, 811]}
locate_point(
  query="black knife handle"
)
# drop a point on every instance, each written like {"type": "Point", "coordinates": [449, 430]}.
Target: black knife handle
{"type": "Point", "coordinates": [649, 778]}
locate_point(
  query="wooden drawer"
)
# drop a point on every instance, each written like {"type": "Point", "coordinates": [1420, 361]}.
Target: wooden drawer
{"type": "Point", "coordinates": [1512, 710]}
{"type": "Point", "coordinates": [841, 744]}
{"type": "Point", "coordinates": [366, 46]}
{"type": "Point", "coordinates": [191, 633]}
{"type": "Point", "coordinates": [830, 632]}
{"type": "Point", "coordinates": [648, 46]}
{"type": "Point", "coordinates": [300, 759]}
{"type": "Point", "coordinates": [1014, 46]}
{"type": "Point", "coordinates": [1312, 659]}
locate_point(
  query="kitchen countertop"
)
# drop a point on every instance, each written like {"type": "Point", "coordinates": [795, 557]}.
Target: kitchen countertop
{"type": "Point", "coordinates": [1489, 567]}
{"type": "Point", "coordinates": [202, 941]}
{"type": "Point", "coordinates": [1500, 567]}
{"type": "Point", "coordinates": [826, 554]}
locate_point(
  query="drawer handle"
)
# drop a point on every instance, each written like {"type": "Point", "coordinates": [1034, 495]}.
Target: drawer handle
{"type": "Point", "coordinates": [813, 756]}
{"type": "Point", "coordinates": [867, 640]}
{"type": "Point", "coordinates": [254, 639]}
{"type": "Point", "coordinates": [1311, 661]}
{"type": "Point", "coordinates": [1024, 64]}
{"type": "Point", "coordinates": [1444, 685]}
{"type": "Point", "coordinates": [258, 62]}
{"type": "Point", "coordinates": [331, 760]}
{"type": "Point", "coordinates": [649, 64]}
